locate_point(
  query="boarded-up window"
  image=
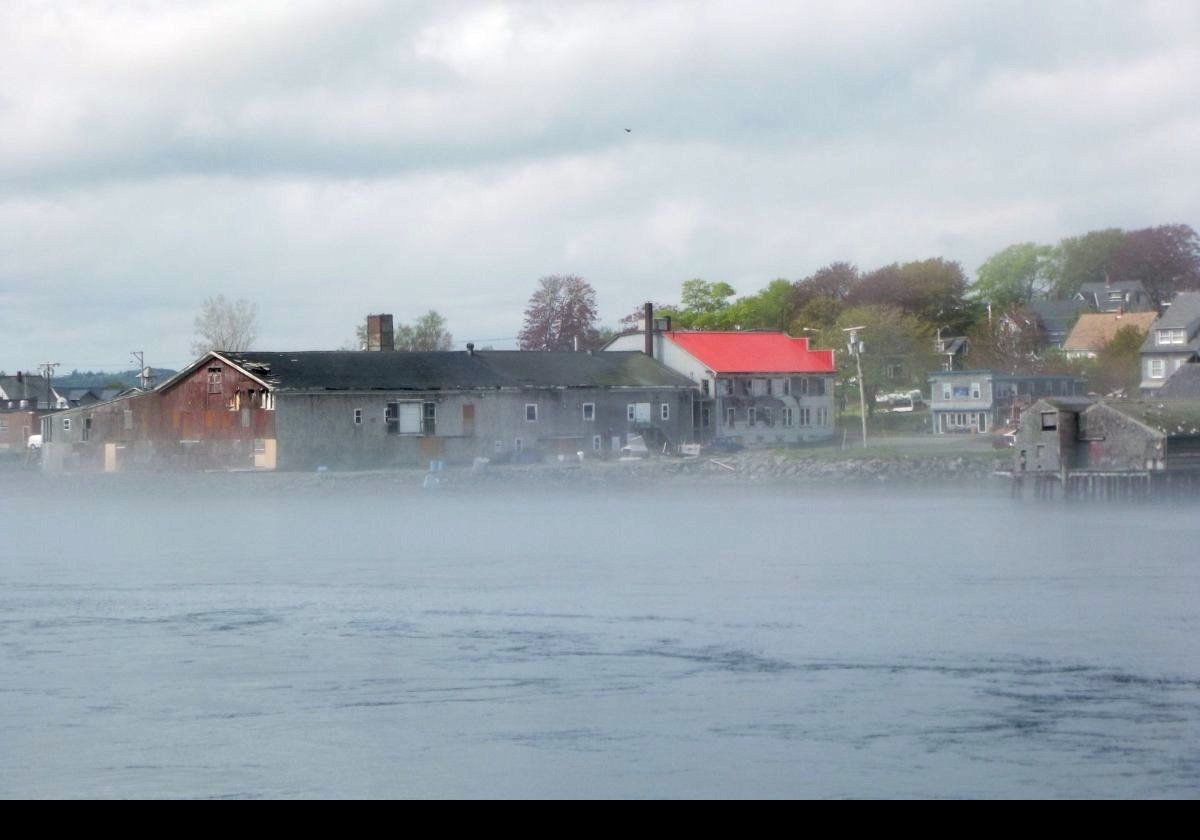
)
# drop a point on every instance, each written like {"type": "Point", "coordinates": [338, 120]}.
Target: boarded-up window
{"type": "Point", "coordinates": [638, 412]}
{"type": "Point", "coordinates": [1049, 421]}
{"type": "Point", "coordinates": [214, 380]}
{"type": "Point", "coordinates": [403, 418]}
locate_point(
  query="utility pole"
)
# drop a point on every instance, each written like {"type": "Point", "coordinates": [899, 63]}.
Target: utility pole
{"type": "Point", "coordinates": [144, 376]}
{"type": "Point", "coordinates": [47, 369]}
{"type": "Point", "coordinates": [856, 348]}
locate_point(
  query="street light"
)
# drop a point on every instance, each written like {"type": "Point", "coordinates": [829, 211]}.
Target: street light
{"type": "Point", "coordinates": [855, 348]}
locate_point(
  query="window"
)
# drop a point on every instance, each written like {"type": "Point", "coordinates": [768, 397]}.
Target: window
{"type": "Point", "coordinates": [768, 417]}
{"type": "Point", "coordinates": [1158, 368]}
{"type": "Point", "coordinates": [214, 380]}
{"type": "Point", "coordinates": [589, 412]}
{"type": "Point", "coordinates": [429, 418]}
{"type": "Point", "coordinates": [1049, 421]}
{"type": "Point", "coordinates": [518, 445]}
{"type": "Point", "coordinates": [729, 417]}
{"type": "Point", "coordinates": [498, 447]}
{"type": "Point", "coordinates": [596, 443]}
{"type": "Point", "coordinates": [787, 417]}
{"type": "Point", "coordinates": [894, 370]}
{"type": "Point", "coordinates": [817, 388]}
{"type": "Point", "coordinates": [403, 418]}
{"type": "Point", "coordinates": [822, 417]}
{"type": "Point", "coordinates": [66, 424]}
{"type": "Point", "coordinates": [358, 417]}
{"type": "Point", "coordinates": [751, 415]}
{"type": "Point", "coordinates": [705, 419]}
{"type": "Point", "coordinates": [975, 390]}
{"type": "Point", "coordinates": [638, 412]}
{"type": "Point", "coordinates": [630, 412]}
{"type": "Point", "coordinates": [704, 387]}
{"type": "Point", "coordinates": [728, 387]}
{"type": "Point", "coordinates": [801, 386]}
{"type": "Point", "coordinates": [268, 401]}
{"type": "Point", "coordinates": [785, 387]}
{"type": "Point", "coordinates": [805, 416]}
{"type": "Point", "coordinates": [747, 388]}
{"type": "Point", "coordinates": [946, 391]}
{"type": "Point", "coordinates": [1172, 336]}
{"type": "Point", "coordinates": [260, 446]}
{"type": "Point", "coordinates": [664, 411]}
{"type": "Point", "coordinates": [530, 412]}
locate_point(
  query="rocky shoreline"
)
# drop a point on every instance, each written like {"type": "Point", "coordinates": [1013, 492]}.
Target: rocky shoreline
{"type": "Point", "coordinates": [752, 467]}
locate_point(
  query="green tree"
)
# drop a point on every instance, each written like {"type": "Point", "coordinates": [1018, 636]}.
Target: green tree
{"type": "Point", "coordinates": [898, 348]}
{"type": "Point", "coordinates": [1083, 259]}
{"type": "Point", "coordinates": [1014, 276]}
{"type": "Point", "coordinates": [1117, 367]}
{"type": "Point", "coordinates": [772, 308]}
{"type": "Point", "coordinates": [701, 297]}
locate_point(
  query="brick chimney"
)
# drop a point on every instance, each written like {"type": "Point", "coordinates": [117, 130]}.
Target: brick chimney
{"type": "Point", "coordinates": [380, 336]}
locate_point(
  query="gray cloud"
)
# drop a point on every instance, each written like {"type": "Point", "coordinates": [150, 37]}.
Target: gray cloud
{"type": "Point", "coordinates": [326, 160]}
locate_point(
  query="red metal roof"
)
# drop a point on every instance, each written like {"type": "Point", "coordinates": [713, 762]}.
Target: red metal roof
{"type": "Point", "coordinates": [753, 352]}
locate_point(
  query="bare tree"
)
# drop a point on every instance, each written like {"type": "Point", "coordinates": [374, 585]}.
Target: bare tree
{"type": "Point", "coordinates": [225, 325]}
{"type": "Point", "coordinates": [562, 310]}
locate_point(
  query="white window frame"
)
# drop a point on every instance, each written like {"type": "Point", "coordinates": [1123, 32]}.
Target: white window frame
{"type": "Point", "coordinates": [787, 418]}
{"type": "Point", "coordinates": [597, 443]}
{"type": "Point", "coordinates": [1158, 368]}
{"type": "Point", "coordinates": [589, 409]}
{"type": "Point", "coordinates": [976, 391]}
{"type": "Point", "coordinates": [534, 418]}
{"type": "Point", "coordinates": [630, 412]}
{"type": "Point", "coordinates": [947, 391]}
{"type": "Point", "coordinates": [358, 416]}
{"type": "Point", "coordinates": [66, 424]}
{"type": "Point", "coordinates": [1172, 336]}
{"type": "Point", "coordinates": [730, 417]}
{"type": "Point", "coordinates": [664, 411]}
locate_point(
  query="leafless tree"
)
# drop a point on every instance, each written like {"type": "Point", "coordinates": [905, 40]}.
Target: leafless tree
{"type": "Point", "coordinates": [562, 310]}
{"type": "Point", "coordinates": [225, 325]}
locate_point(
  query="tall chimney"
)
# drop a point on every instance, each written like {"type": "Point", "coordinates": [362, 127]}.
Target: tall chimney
{"type": "Point", "coordinates": [648, 314]}
{"type": "Point", "coordinates": [379, 333]}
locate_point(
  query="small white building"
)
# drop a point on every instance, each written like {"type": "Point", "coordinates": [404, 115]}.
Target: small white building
{"type": "Point", "coordinates": [757, 388]}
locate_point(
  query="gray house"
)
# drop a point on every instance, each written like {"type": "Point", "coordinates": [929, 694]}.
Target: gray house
{"type": "Point", "coordinates": [1120, 449]}
{"type": "Point", "coordinates": [356, 410]}
{"type": "Point", "coordinates": [1173, 341]}
{"type": "Point", "coordinates": [983, 400]}
{"type": "Point", "coordinates": [1116, 296]}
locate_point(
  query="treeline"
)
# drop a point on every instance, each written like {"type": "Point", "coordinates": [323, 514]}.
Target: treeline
{"type": "Point", "coordinates": [102, 379]}
{"type": "Point", "coordinates": [904, 307]}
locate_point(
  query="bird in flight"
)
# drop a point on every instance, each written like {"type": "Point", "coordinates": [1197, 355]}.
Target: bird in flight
{"type": "Point", "coordinates": [629, 131]}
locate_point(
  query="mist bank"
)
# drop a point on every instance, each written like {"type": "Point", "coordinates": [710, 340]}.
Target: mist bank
{"type": "Point", "coordinates": [781, 468]}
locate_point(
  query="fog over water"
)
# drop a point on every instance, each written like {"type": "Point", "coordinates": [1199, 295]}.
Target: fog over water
{"type": "Point", "coordinates": [255, 637]}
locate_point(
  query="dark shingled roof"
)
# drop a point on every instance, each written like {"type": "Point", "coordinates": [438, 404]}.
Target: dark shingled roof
{"type": "Point", "coordinates": [1183, 384]}
{"type": "Point", "coordinates": [1056, 315]}
{"type": "Point", "coordinates": [356, 370]}
{"type": "Point", "coordinates": [1170, 417]}
{"type": "Point", "coordinates": [1183, 313]}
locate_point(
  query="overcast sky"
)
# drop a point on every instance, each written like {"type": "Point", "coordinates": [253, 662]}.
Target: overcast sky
{"type": "Point", "coordinates": [330, 159]}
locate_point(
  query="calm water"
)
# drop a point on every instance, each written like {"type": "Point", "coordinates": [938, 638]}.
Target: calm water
{"type": "Point", "coordinates": [255, 641]}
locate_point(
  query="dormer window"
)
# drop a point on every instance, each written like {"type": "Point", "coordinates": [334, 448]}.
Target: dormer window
{"type": "Point", "coordinates": [1172, 337]}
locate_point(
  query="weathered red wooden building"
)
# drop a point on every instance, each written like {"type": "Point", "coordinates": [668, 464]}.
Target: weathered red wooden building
{"type": "Point", "coordinates": [212, 415]}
